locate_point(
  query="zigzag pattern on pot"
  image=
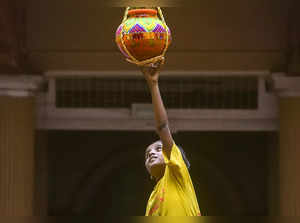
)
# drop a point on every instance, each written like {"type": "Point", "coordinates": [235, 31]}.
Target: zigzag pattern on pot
{"type": "Point", "coordinates": [159, 29]}
{"type": "Point", "coordinates": [137, 28]}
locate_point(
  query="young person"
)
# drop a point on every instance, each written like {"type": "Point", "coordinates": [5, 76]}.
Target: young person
{"type": "Point", "coordinates": [166, 163]}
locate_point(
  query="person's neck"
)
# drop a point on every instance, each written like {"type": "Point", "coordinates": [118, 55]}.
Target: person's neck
{"type": "Point", "coordinates": [158, 175]}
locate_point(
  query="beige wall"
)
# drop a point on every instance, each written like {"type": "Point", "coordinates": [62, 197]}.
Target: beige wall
{"type": "Point", "coordinates": [17, 121]}
{"type": "Point", "coordinates": [289, 156]}
{"type": "Point", "coordinates": [232, 35]}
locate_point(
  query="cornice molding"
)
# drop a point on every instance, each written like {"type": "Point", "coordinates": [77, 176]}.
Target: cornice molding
{"type": "Point", "coordinates": [20, 85]}
{"type": "Point", "coordinates": [286, 86]}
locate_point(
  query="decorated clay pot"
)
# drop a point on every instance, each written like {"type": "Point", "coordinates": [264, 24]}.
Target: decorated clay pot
{"type": "Point", "coordinates": [142, 35]}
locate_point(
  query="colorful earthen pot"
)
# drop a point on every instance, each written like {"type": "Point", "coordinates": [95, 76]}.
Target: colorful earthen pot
{"type": "Point", "coordinates": [144, 35]}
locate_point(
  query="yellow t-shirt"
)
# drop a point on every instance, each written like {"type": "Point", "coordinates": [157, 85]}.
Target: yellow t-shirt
{"type": "Point", "coordinates": [174, 193]}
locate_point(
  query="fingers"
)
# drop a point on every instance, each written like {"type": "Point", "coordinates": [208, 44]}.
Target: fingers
{"type": "Point", "coordinates": [151, 70]}
{"type": "Point", "coordinates": [156, 64]}
{"type": "Point", "coordinates": [159, 62]}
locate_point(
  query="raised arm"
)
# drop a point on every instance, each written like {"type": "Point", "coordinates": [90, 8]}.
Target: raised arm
{"type": "Point", "coordinates": [151, 74]}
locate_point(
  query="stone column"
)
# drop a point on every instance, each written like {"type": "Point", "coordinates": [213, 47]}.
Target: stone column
{"type": "Point", "coordinates": [288, 90]}
{"type": "Point", "coordinates": [17, 127]}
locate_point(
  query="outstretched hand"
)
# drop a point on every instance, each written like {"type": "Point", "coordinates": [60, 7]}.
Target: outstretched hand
{"type": "Point", "coordinates": [151, 71]}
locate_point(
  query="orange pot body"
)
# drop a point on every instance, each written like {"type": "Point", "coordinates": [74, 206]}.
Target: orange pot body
{"type": "Point", "coordinates": [144, 35]}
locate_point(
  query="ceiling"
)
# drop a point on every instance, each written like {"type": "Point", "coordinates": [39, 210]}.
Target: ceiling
{"type": "Point", "coordinates": [38, 36]}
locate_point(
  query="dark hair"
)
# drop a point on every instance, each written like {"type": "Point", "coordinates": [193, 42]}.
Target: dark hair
{"type": "Point", "coordinates": [186, 161]}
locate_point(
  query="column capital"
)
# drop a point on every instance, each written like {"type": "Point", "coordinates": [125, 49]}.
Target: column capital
{"type": "Point", "coordinates": [286, 86]}
{"type": "Point", "coordinates": [20, 85]}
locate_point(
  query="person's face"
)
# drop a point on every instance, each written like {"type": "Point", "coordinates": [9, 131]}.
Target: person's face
{"type": "Point", "coordinates": [154, 160]}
